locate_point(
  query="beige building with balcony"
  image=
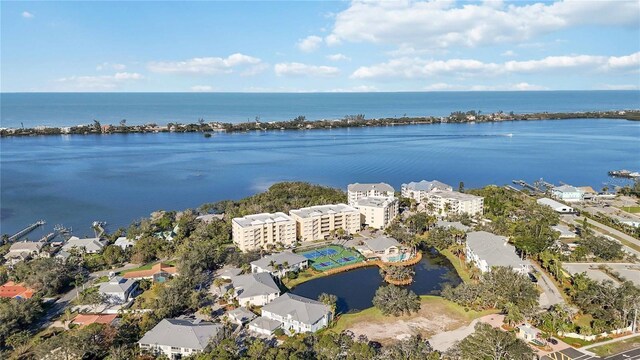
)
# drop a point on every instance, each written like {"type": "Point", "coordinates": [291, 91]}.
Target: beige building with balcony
{"type": "Point", "coordinates": [453, 202]}
{"type": "Point", "coordinates": [259, 230]}
{"type": "Point", "coordinates": [359, 191]}
{"type": "Point", "coordinates": [377, 212]}
{"type": "Point", "coordinates": [318, 222]}
{"type": "Point", "coordinates": [419, 191]}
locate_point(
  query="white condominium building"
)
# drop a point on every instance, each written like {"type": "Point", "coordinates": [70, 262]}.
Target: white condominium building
{"type": "Point", "coordinates": [377, 212]}
{"type": "Point", "coordinates": [419, 190]}
{"type": "Point", "coordinates": [453, 202]}
{"type": "Point", "coordinates": [257, 231]}
{"type": "Point", "coordinates": [358, 191]}
{"type": "Point", "coordinates": [317, 222]}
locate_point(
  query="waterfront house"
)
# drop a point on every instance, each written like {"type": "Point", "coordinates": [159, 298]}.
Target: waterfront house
{"type": "Point", "coordinates": [23, 250]}
{"type": "Point", "coordinates": [567, 193]}
{"type": "Point", "coordinates": [260, 231]}
{"type": "Point", "coordinates": [264, 326]}
{"type": "Point", "coordinates": [209, 218]}
{"type": "Point", "coordinates": [486, 250]}
{"type": "Point", "coordinates": [16, 291]}
{"type": "Point", "coordinates": [556, 206]}
{"type": "Point", "coordinates": [179, 337]}
{"type": "Point", "coordinates": [588, 193]}
{"type": "Point", "coordinates": [280, 264]}
{"type": "Point", "coordinates": [124, 243]}
{"type": "Point", "coordinates": [298, 314]}
{"type": "Point", "coordinates": [118, 290]}
{"type": "Point", "coordinates": [419, 190]}
{"type": "Point", "coordinates": [255, 289]}
{"type": "Point", "coordinates": [446, 203]}
{"type": "Point", "coordinates": [159, 272]}
{"type": "Point", "coordinates": [88, 245]}
{"type": "Point", "coordinates": [319, 222]}
{"type": "Point", "coordinates": [358, 191]}
{"type": "Point", "coordinates": [62, 256]}
{"type": "Point", "coordinates": [240, 316]}
{"type": "Point", "coordinates": [384, 248]}
{"type": "Point", "coordinates": [377, 212]}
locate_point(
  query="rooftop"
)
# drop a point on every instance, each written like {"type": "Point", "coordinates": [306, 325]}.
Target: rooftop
{"type": "Point", "coordinates": [452, 224]}
{"type": "Point", "coordinates": [455, 195]}
{"type": "Point", "coordinates": [116, 284]}
{"type": "Point", "coordinates": [12, 290]}
{"type": "Point", "coordinates": [182, 333]}
{"type": "Point", "coordinates": [320, 210]}
{"type": "Point", "coordinates": [381, 243]}
{"type": "Point", "coordinates": [264, 323]}
{"type": "Point", "coordinates": [375, 201]}
{"type": "Point", "coordinates": [242, 314]}
{"type": "Point", "coordinates": [155, 269]}
{"type": "Point", "coordinates": [382, 187]}
{"type": "Point", "coordinates": [26, 246]}
{"type": "Point", "coordinates": [493, 249]}
{"type": "Point", "coordinates": [425, 185]}
{"type": "Point", "coordinates": [88, 319]}
{"type": "Point", "coordinates": [298, 308]}
{"type": "Point", "coordinates": [550, 202]}
{"type": "Point", "coordinates": [566, 188]}
{"type": "Point", "coordinates": [260, 219]}
{"type": "Point", "coordinates": [254, 284]}
{"type": "Point", "coordinates": [90, 244]}
{"type": "Point", "coordinates": [279, 259]}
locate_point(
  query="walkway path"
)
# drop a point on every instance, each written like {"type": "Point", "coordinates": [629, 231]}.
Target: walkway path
{"type": "Point", "coordinates": [610, 341]}
{"type": "Point", "coordinates": [551, 294]}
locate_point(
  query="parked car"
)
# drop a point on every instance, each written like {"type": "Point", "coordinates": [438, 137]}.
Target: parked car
{"type": "Point", "coordinates": [533, 278]}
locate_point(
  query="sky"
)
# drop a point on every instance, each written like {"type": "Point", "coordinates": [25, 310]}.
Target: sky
{"type": "Point", "coordinates": [313, 46]}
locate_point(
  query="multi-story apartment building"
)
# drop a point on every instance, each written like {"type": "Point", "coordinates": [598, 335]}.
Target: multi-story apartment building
{"type": "Point", "coordinates": [419, 190]}
{"type": "Point", "coordinates": [377, 212]}
{"type": "Point", "coordinates": [317, 222]}
{"type": "Point", "coordinates": [359, 191]}
{"type": "Point", "coordinates": [453, 202]}
{"type": "Point", "coordinates": [257, 231]}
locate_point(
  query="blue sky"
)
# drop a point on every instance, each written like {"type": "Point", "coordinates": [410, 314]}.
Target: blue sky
{"type": "Point", "coordinates": [319, 46]}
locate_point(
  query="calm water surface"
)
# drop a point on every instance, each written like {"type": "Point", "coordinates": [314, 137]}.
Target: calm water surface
{"type": "Point", "coordinates": [75, 180]}
{"type": "Point", "coordinates": [355, 289]}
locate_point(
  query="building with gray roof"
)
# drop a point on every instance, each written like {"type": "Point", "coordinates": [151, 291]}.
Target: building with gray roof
{"type": "Point", "coordinates": [298, 314]}
{"type": "Point", "coordinates": [358, 191]}
{"type": "Point", "coordinates": [556, 206]}
{"type": "Point", "coordinates": [419, 190]}
{"type": "Point", "coordinates": [567, 193]}
{"type": "Point", "coordinates": [452, 225]}
{"type": "Point", "coordinates": [23, 250]}
{"type": "Point", "coordinates": [241, 315]}
{"type": "Point", "coordinates": [89, 245]}
{"type": "Point", "coordinates": [180, 337]}
{"type": "Point", "coordinates": [118, 290]}
{"type": "Point", "coordinates": [486, 250]}
{"type": "Point", "coordinates": [264, 326]}
{"type": "Point", "coordinates": [384, 248]}
{"type": "Point", "coordinates": [279, 264]}
{"type": "Point", "coordinates": [255, 289]}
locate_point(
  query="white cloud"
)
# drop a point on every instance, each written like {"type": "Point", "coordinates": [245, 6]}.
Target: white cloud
{"type": "Point", "coordinates": [338, 57]}
{"type": "Point", "coordinates": [298, 69]}
{"type": "Point", "coordinates": [310, 43]}
{"type": "Point", "coordinates": [421, 68]}
{"type": "Point", "coordinates": [508, 53]}
{"type": "Point", "coordinates": [107, 65]}
{"type": "Point", "coordinates": [102, 82]}
{"type": "Point", "coordinates": [204, 65]}
{"type": "Point", "coordinates": [201, 88]}
{"type": "Point", "coordinates": [27, 15]}
{"type": "Point", "coordinates": [442, 24]}
{"type": "Point", "coordinates": [523, 86]}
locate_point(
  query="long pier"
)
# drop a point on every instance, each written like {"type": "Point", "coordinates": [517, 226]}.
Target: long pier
{"type": "Point", "coordinates": [25, 231]}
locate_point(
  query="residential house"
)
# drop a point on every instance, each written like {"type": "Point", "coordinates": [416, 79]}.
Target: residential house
{"type": "Point", "coordinates": [255, 289]}
{"type": "Point", "coordinates": [486, 250]}
{"type": "Point", "coordinates": [209, 218]}
{"type": "Point", "coordinates": [418, 190]}
{"type": "Point", "coordinates": [588, 193]}
{"type": "Point", "coordinates": [280, 264]}
{"type": "Point", "coordinates": [88, 319]}
{"type": "Point", "coordinates": [567, 193]}
{"type": "Point", "coordinates": [319, 222]}
{"type": "Point", "coordinates": [88, 245]}
{"type": "Point", "coordinates": [377, 212]}
{"type": "Point", "coordinates": [180, 337]}
{"type": "Point", "coordinates": [62, 256]}
{"type": "Point", "coordinates": [159, 272]}
{"type": "Point", "coordinates": [264, 326]}
{"type": "Point", "coordinates": [384, 248]}
{"type": "Point", "coordinates": [124, 243]}
{"type": "Point", "coordinates": [528, 333]}
{"type": "Point", "coordinates": [298, 314]}
{"type": "Point", "coordinates": [118, 290]}
{"type": "Point", "coordinates": [556, 206]}
{"type": "Point", "coordinates": [259, 231]}
{"type": "Point", "coordinates": [23, 250]}
{"type": "Point", "coordinates": [358, 191]}
{"type": "Point", "coordinates": [447, 203]}
{"type": "Point", "coordinates": [240, 316]}
{"type": "Point", "coordinates": [452, 225]}
{"type": "Point", "coordinates": [565, 232]}
{"type": "Point", "coordinates": [15, 291]}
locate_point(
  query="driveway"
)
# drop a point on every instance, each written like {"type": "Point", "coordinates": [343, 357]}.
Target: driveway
{"type": "Point", "coordinates": [551, 295]}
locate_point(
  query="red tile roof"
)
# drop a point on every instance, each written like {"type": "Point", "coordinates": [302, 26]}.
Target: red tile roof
{"type": "Point", "coordinates": [13, 290]}
{"type": "Point", "coordinates": [88, 319]}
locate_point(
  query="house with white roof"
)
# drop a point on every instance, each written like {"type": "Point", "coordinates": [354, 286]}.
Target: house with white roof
{"type": "Point", "coordinates": [567, 193]}
{"type": "Point", "coordinates": [358, 191]}
{"type": "Point", "coordinates": [452, 225]}
{"type": "Point", "coordinates": [124, 243]}
{"type": "Point", "coordinates": [88, 245]}
{"type": "Point", "coordinates": [23, 250]}
{"type": "Point", "coordinates": [384, 248]}
{"type": "Point", "coordinates": [486, 250]}
{"type": "Point", "coordinates": [280, 264]}
{"type": "Point", "coordinates": [377, 212]}
{"type": "Point", "coordinates": [180, 337]}
{"type": "Point", "coordinates": [294, 314]}
{"type": "Point", "coordinates": [259, 231]}
{"type": "Point", "coordinates": [240, 316]}
{"type": "Point", "coordinates": [556, 206]}
{"type": "Point", "coordinates": [255, 289]}
{"type": "Point", "coordinates": [118, 290]}
{"type": "Point", "coordinates": [419, 190]}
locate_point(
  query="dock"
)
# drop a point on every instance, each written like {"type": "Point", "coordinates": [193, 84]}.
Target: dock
{"type": "Point", "coordinates": [20, 234]}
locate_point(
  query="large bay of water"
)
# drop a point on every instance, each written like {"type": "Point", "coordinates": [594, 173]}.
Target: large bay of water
{"type": "Point", "coordinates": [59, 109]}
{"type": "Point", "coordinates": [74, 180]}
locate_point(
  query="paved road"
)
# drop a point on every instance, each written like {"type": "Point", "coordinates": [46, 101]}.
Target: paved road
{"type": "Point", "coordinates": [58, 307]}
{"type": "Point", "coordinates": [627, 355]}
{"type": "Point", "coordinates": [577, 221]}
{"type": "Point", "coordinates": [551, 295]}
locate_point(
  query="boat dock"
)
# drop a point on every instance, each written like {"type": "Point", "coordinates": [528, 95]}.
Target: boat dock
{"type": "Point", "coordinates": [539, 186]}
{"type": "Point", "coordinates": [624, 174]}
{"type": "Point", "coordinates": [25, 231]}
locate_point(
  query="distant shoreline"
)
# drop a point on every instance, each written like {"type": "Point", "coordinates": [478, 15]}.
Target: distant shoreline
{"type": "Point", "coordinates": [301, 123]}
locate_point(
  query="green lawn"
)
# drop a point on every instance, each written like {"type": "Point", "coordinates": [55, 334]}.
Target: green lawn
{"type": "Point", "coordinates": [461, 267]}
{"type": "Point", "coordinates": [617, 347]}
{"type": "Point", "coordinates": [148, 266]}
{"type": "Point", "coordinates": [304, 276]}
{"type": "Point", "coordinates": [631, 209]}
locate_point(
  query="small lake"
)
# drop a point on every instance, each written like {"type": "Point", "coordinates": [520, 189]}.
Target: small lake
{"type": "Point", "coordinates": [355, 289]}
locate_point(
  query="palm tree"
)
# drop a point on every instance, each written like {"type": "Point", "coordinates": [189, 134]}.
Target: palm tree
{"type": "Point", "coordinates": [329, 300]}
{"type": "Point", "coordinates": [458, 249]}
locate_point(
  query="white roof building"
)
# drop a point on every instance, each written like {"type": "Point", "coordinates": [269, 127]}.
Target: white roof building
{"type": "Point", "coordinates": [255, 289]}
{"type": "Point", "coordinates": [419, 190]}
{"type": "Point", "coordinates": [89, 245]}
{"type": "Point", "coordinates": [556, 206]}
{"type": "Point", "coordinates": [297, 314]}
{"type": "Point", "coordinates": [358, 191]}
{"type": "Point", "coordinates": [487, 250]}
{"type": "Point", "coordinates": [118, 290]}
{"type": "Point", "coordinates": [176, 338]}
{"type": "Point", "coordinates": [283, 263]}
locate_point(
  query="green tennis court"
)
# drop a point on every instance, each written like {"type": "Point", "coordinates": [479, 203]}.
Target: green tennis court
{"type": "Point", "coordinates": [331, 256]}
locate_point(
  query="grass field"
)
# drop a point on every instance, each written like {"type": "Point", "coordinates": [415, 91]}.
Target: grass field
{"type": "Point", "coordinates": [631, 209]}
{"type": "Point", "coordinates": [331, 256]}
{"type": "Point", "coordinates": [460, 266]}
{"type": "Point", "coordinates": [617, 347]}
{"type": "Point", "coordinates": [148, 266]}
